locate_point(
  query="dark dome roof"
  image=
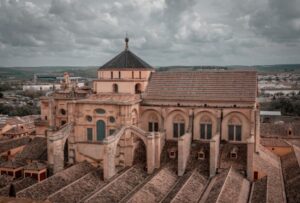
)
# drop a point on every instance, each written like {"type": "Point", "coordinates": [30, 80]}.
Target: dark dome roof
{"type": "Point", "coordinates": [126, 60]}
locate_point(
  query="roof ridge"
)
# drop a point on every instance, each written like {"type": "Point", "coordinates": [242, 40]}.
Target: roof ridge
{"type": "Point", "coordinates": [126, 59]}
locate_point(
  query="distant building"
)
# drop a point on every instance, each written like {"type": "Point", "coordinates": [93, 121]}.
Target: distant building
{"type": "Point", "coordinates": [46, 87]}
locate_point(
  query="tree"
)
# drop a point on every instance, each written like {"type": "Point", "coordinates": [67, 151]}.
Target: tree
{"type": "Point", "coordinates": [297, 108]}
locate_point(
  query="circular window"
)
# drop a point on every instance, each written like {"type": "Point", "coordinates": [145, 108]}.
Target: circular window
{"type": "Point", "coordinates": [112, 119]}
{"type": "Point", "coordinates": [100, 111]}
{"type": "Point", "coordinates": [89, 118]}
{"type": "Point", "coordinates": [63, 112]}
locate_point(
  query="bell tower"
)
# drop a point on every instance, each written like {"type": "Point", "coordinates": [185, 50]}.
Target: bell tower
{"type": "Point", "coordinates": [125, 73]}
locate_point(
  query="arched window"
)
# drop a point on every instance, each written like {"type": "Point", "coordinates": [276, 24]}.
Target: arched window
{"type": "Point", "coordinates": [178, 126]}
{"type": "Point", "coordinates": [111, 75]}
{"type": "Point", "coordinates": [119, 74]}
{"type": "Point", "coordinates": [63, 122]}
{"type": "Point", "coordinates": [101, 130]}
{"type": "Point", "coordinates": [138, 88]}
{"type": "Point", "coordinates": [234, 129]}
{"type": "Point", "coordinates": [205, 128]}
{"type": "Point", "coordinates": [153, 123]}
{"type": "Point", "coordinates": [100, 111]}
{"type": "Point", "coordinates": [62, 111]}
{"type": "Point", "coordinates": [89, 134]}
{"type": "Point", "coordinates": [115, 88]}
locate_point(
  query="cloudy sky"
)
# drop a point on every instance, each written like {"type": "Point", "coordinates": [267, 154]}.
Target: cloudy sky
{"type": "Point", "coordinates": [162, 32]}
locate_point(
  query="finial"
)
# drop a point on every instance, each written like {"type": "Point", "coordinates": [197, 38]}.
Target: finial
{"type": "Point", "coordinates": [126, 42]}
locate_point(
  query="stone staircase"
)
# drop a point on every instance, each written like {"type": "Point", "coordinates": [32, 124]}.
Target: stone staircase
{"type": "Point", "coordinates": [121, 186]}
{"type": "Point", "coordinates": [79, 189]}
{"type": "Point", "coordinates": [158, 186]}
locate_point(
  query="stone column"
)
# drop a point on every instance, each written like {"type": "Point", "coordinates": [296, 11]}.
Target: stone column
{"type": "Point", "coordinates": [51, 114]}
{"type": "Point", "coordinates": [150, 154]}
{"type": "Point", "coordinates": [250, 154]}
{"type": "Point", "coordinates": [50, 149]}
{"type": "Point", "coordinates": [219, 123]}
{"type": "Point", "coordinates": [157, 149]}
{"type": "Point", "coordinates": [213, 154]}
{"type": "Point", "coordinates": [58, 157]}
{"type": "Point", "coordinates": [109, 169]}
{"type": "Point", "coordinates": [128, 150]}
{"type": "Point", "coordinates": [184, 146]}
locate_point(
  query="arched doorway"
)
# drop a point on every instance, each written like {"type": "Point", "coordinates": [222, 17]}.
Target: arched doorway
{"type": "Point", "coordinates": [131, 152]}
{"type": "Point", "coordinates": [138, 88]}
{"type": "Point", "coordinates": [115, 88]}
{"type": "Point", "coordinates": [100, 130]}
{"type": "Point", "coordinates": [140, 154]}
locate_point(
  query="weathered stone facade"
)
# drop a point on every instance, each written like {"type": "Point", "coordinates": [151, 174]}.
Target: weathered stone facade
{"type": "Point", "coordinates": [125, 113]}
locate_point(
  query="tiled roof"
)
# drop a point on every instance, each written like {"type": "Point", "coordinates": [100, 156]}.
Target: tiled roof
{"type": "Point", "coordinates": [15, 131]}
{"type": "Point", "coordinates": [15, 120]}
{"type": "Point", "coordinates": [236, 86]}
{"type": "Point", "coordinates": [79, 189]}
{"type": "Point", "coordinates": [259, 194]}
{"type": "Point", "coordinates": [239, 163]}
{"type": "Point", "coordinates": [5, 180]}
{"type": "Point", "coordinates": [35, 166]}
{"type": "Point", "coordinates": [111, 98]}
{"type": "Point", "coordinates": [35, 150]}
{"type": "Point", "coordinates": [291, 174]}
{"type": "Point", "coordinates": [274, 142]}
{"type": "Point", "coordinates": [280, 129]}
{"type": "Point", "coordinates": [217, 186]}
{"type": "Point", "coordinates": [126, 60]}
{"type": "Point", "coordinates": [13, 143]}
{"type": "Point", "coordinates": [12, 164]}
{"type": "Point", "coordinates": [42, 190]}
{"type": "Point", "coordinates": [267, 162]}
{"type": "Point", "coordinates": [19, 185]}
{"type": "Point", "coordinates": [234, 185]}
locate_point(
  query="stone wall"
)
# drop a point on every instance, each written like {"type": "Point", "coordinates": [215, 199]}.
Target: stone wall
{"type": "Point", "coordinates": [184, 150]}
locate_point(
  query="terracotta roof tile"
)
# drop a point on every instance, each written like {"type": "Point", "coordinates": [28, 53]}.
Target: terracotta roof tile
{"type": "Point", "coordinates": [13, 143]}
{"type": "Point", "coordinates": [259, 194]}
{"type": "Point", "coordinates": [291, 174]}
{"type": "Point", "coordinates": [42, 190]}
{"type": "Point", "coordinates": [12, 164]}
{"type": "Point", "coordinates": [239, 86]}
{"type": "Point", "coordinates": [34, 150]}
{"type": "Point", "coordinates": [35, 166]}
{"type": "Point", "coordinates": [274, 142]}
{"type": "Point", "coordinates": [126, 60]}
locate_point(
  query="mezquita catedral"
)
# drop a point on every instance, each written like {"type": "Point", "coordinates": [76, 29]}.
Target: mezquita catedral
{"type": "Point", "coordinates": [141, 135]}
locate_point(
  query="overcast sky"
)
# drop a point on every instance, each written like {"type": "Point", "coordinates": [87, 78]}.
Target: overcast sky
{"type": "Point", "coordinates": [162, 32]}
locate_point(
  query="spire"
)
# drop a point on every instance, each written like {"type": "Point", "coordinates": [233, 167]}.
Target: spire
{"type": "Point", "coordinates": [126, 42]}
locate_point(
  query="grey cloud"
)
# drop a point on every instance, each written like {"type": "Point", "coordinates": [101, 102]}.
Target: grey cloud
{"type": "Point", "coordinates": [163, 32]}
{"type": "Point", "coordinates": [279, 21]}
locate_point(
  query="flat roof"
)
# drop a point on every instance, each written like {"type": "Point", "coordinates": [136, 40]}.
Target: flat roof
{"type": "Point", "coordinates": [270, 113]}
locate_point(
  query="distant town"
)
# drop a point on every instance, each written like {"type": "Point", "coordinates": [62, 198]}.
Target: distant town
{"type": "Point", "coordinates": [21, 87]}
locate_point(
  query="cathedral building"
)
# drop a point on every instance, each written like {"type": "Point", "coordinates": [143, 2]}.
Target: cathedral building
{"type": "Point", "coordinates": [134, 113]}
{"type": "Point", "coordinates": [146, 135]}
